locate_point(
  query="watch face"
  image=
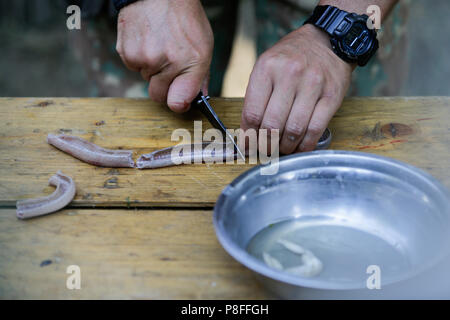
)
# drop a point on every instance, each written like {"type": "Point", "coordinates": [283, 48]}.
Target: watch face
{"type": "Point", "coordinates": [357, 40]}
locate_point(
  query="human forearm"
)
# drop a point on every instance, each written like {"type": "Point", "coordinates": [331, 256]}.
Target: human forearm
{"type": "Point", "coordinates": [360, 6]}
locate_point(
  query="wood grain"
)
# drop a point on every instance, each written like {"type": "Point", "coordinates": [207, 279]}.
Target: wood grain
{"type": "Point", "coordinates": [139, 125]}
{"type": "Point", "coordinates": [414, 130]}
{"type": "Point", "coordinates": [122, 254]}
{"type": "Point", "coordinates": [165, 253]}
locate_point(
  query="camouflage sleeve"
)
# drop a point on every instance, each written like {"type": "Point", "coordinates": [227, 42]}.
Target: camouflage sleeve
{"type": "Point", "coordinates": [384, 75]}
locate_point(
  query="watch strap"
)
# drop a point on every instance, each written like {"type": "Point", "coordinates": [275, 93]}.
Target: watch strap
{"type": "Point", "coordinates": [327, 18]}
{"type": "Point", "coordinates": [119, 4]}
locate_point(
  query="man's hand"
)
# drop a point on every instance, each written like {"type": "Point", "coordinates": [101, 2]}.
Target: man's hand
{"type": "Point", "coordinates": [170, 43]}
{"type": "Point", "coordinates": [296, 86]}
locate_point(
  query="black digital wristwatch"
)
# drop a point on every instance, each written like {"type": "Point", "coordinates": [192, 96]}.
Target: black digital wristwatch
{"type": "Point", "coordinates": [351, 38]}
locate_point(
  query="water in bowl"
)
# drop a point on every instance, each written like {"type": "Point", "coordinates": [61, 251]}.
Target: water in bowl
{"type": "Point", "coordinates": [346, 252]}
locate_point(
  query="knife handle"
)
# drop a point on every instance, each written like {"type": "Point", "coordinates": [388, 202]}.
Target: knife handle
{"type": "Point", "coordinates": [201, 103]}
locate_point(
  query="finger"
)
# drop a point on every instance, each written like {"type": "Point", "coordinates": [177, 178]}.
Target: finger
{"type": "Point", "coordinates": [146, 74]}
{"type": "Point", "coordinates": [277, 110]}
{"type": "Point", "coordinates": [119, 45]}
{"type": "Point", "coordinates": [278, 107]}
{"type": "Point", "coordinates": [324, 111]}
{"type": "Point", "coordinates": [205, 84]}
{"type": "Point", "coordinates": [256, 99]}
{"type": "Point", "coordinates": [300, 115]}
{"type": "Point", "coordinates": [184, 88]}
{"type": "Point", "coordinates": [130, 64]}
{"type": "Point", "coordinates": [159, 86]}
{"type": "Point", "coordinates": [129, 53]}
{"type": "Point", "coordinates": [137, 56]}
{"type": "Point", "coordinates": [119, 42]}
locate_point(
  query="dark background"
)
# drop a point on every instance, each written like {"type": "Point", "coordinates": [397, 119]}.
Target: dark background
{"type": "Point", "coordinates": [38, 58]}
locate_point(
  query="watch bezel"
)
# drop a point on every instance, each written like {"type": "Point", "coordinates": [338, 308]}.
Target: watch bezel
{"type": "Point", "coordinates": [348, 54]}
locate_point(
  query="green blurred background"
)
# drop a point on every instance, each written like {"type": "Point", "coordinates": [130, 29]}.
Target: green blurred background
{"type": "Point", "coordinates": [41, 57]}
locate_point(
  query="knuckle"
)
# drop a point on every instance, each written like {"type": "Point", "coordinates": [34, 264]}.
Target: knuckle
{"type": "Point", "coordinates": [150, 59]}
{"type": "Point", "coordinates": [295, 129]}
{"type": "Point", "coordinates": [119, 48]}
{"type": "Point", "coordinates": [315, 76]}
{"type": "Point", "coordinates": [130, 54]}
{"type": "Point", "coordinates": [266, 63]}
{"type": "Point", "coordinates": [251, 117]}
{"type": "Point", "coordinates": [270, 124]}
{"type": "Point", "coordinates": [204, 50]}
{"type": "Point", "coordinates": [201, 55]}
{"type": "Point", "coordinates": [315, 129]}
{"type": "Point", "coordinates": [295, 67]}
{"type": "Point", "coordinates": [333, 92]}
{"type": "Point", "coordinates": [173, 56]}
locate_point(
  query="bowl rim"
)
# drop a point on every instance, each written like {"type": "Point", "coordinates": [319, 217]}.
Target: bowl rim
{"type": "Point", "coordinates": [256, 265]}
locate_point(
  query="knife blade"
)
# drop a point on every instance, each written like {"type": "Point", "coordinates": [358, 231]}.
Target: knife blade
{"type": "Point", "coordinates": [201, 102]}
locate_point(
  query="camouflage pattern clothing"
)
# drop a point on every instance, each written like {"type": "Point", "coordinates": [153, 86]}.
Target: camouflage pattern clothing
{"type": "Point", "coordinates": [94, 45]}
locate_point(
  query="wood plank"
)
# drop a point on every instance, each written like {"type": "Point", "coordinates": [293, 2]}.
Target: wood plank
{"type": "Point", "coordinates": [138, 124]}
{"type": "Point", "coordinates": [122, 254]}
{"type": "Point", "coordinates": [414, 130]}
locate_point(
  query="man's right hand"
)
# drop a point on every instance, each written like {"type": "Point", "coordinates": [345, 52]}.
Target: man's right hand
{"type": "Point", "coordinates": [170, 43]}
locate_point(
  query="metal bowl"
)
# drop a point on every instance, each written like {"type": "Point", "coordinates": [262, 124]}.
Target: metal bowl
{"type": "Point", "coordinates": [353, 210]}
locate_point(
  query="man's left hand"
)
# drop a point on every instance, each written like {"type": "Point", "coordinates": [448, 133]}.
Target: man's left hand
{"type": "Point", "coordinates": [296, 86]}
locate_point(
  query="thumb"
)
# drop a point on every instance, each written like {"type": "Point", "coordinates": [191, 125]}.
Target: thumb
{"type": "Point", "coordinates": [183, 90]}
{"type": "Point", "coordinates": [205, 84]}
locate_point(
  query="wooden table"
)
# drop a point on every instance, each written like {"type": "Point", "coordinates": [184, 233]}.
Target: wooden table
{"type": "Point", "coordinates": [149, 234]}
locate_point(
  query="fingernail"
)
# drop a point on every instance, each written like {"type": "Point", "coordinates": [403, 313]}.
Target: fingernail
{"type": "Point", "coordinates": [178, 105]}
